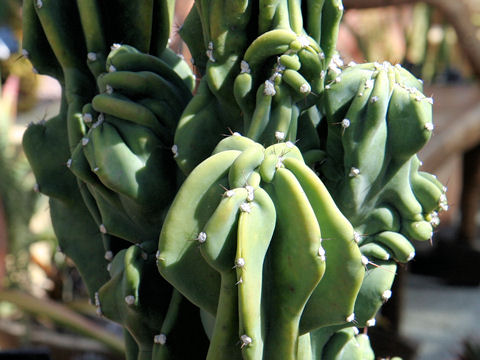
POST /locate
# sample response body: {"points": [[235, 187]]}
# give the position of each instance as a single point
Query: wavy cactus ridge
{"points": [[342, 256], [182, 230], [291, 288], [256, 224]]}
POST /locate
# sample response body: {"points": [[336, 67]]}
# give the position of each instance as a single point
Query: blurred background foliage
{"points": [[416, 35]]}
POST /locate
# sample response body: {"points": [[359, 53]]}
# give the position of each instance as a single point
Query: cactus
{"points": [[279, 242]]}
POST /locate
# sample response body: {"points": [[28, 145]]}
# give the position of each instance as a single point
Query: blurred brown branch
{"points": [[63, 316], [457, 13], [365, 4]]}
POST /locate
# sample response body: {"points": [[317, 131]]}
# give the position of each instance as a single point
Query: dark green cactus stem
{"points": [[46, 148], [163, 14], [194, 38], [181, 322], [35, 45], [73, 225], [131, 351], [48, 161], [123, 28], [200, 119], [224, 338], [93, 29]]}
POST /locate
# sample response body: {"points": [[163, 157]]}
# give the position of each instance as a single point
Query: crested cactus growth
{"points": [[276, 244]]}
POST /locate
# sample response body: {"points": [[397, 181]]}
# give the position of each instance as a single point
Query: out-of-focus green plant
{"points": [[10, 14], [11, 61], [17, 66], [19, 201]]}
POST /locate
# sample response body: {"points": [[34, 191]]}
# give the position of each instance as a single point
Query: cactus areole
{"points": [[258, 215]]}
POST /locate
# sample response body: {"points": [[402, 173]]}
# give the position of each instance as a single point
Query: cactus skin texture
{"points": [[205, 243]]}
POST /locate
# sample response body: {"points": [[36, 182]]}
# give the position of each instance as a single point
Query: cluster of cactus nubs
{"points": [[200, 241]]}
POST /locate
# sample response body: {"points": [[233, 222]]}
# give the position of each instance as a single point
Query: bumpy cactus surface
{"points": [[275, 244]]}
